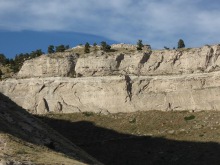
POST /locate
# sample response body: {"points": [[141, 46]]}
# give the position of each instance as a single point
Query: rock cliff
{"points": [[120, 81], [156, 62], [115, 94], [60, 64]]}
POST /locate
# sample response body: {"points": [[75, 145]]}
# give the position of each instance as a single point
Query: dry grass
{"points": [[186, 125], [152, 137], [17, 150]]}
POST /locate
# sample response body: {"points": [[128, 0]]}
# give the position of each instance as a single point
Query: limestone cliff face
{"points": [[157, 62], [184, 79], [186, 61], [49, 66], [115, 94]]}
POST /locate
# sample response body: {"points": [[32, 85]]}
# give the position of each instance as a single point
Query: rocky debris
{"points": [[10, 162], [128, 46], [171, 132]]}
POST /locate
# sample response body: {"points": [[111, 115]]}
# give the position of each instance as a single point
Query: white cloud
{"points": [[158, 22]]}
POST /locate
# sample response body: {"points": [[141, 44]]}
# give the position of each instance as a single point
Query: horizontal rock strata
{"points": [[156, 62], [116, 93], [121, 81], [139, 63], [58, 65]]}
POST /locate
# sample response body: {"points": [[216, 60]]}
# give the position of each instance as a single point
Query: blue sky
{"points": [[157, 22]]}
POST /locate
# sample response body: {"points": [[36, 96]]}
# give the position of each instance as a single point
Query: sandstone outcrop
{"points": [[144, 63], [183, 61], [156, 62], [115, 94], [59, 64], [182, 79], [117, 64]]}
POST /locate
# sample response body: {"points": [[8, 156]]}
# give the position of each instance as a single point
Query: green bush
{"points": [[191, 117], [105, 46]]}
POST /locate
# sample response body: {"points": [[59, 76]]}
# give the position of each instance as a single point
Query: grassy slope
{"points": [[144, 137]]}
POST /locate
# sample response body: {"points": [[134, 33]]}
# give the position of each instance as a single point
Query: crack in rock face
{"points": [[128, 86], [119, 59]]}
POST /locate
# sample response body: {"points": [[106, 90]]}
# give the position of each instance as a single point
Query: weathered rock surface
{"points": [[116, 93], [68, 94], [117, 64], [128, 46], [96, 66], [145, 63], [49, 66], [183, 79], [185, 61], [157, 62]]}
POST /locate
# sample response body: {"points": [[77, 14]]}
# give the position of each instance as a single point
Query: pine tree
{"points": [[181, 44], [2, 59], [86, 48], [50, 49], [60, 48], [139, 45]]}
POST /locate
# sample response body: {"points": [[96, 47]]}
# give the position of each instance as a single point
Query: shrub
{"points": [[166, 48], [105, 46], [191, 117]]}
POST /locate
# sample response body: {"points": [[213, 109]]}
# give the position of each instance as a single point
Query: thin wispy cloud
{"points": [[158, 22]]}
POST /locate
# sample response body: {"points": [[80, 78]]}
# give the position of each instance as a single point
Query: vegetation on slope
{"points": [[141, 138]]}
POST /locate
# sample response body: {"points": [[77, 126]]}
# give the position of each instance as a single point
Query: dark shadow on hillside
{"points": [[113, 148], [17, 122]]}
